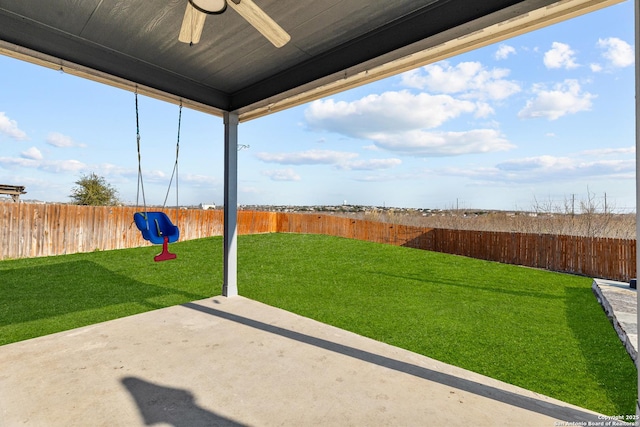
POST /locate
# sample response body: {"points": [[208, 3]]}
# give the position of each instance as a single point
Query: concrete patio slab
{"points": [[238, 362]]}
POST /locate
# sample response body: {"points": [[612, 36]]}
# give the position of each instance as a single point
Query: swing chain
{"points": [[175, 166]]}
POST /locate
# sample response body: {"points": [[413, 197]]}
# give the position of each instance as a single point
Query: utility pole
{"points": [[573, 205]]}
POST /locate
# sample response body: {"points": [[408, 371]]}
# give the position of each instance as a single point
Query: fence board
{"points": [[33, 230]]}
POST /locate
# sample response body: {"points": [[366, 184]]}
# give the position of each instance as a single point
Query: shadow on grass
{"points": [[470, 286], [68, 287], [609, 366], [598, 354]]}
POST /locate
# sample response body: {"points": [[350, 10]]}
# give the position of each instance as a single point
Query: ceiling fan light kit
{"points": [[212, 7], [197, 10]]}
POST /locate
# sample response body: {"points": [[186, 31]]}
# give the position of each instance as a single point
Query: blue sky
{"points": [[543, 116]]}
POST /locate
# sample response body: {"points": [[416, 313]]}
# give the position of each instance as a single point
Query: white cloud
{"points": [[309, 157], [282, 175], [10, 128], [398, 122], [155, 177], [618, 52], [58, 166], [422, 143], [469, 79], [388, 112], [503, 52], [199, 181], [596, 68], [551, 169], [340, 159], [483, 110], [630, 151], [533, 163], [375, 178], [61, 141], [54, 166], [369, 165], [560, 56], [565, 98], [33, 159], [32, 153], [249, 190], [115, 170], [14, 162]]}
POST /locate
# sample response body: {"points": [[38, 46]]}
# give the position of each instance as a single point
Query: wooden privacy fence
{"points": [[613, 259], [34, 230]]}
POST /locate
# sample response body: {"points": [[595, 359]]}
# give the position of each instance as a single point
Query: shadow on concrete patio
{"points": [[173, 406], [504, 396]]}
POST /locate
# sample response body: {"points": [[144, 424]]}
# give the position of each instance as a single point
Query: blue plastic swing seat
{"points": [[155, 226]]}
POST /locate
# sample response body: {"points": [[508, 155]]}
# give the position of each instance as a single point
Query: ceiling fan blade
{"points": [[192, 25], [261, 21]]}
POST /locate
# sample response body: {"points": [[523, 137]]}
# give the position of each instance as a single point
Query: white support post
{"points": [[636, 21], [230, 269]]}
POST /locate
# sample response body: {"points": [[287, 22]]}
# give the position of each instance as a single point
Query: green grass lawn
{"points": [[539, 330]]}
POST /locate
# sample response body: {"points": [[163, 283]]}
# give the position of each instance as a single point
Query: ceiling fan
{"points": [[197, 11]]}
